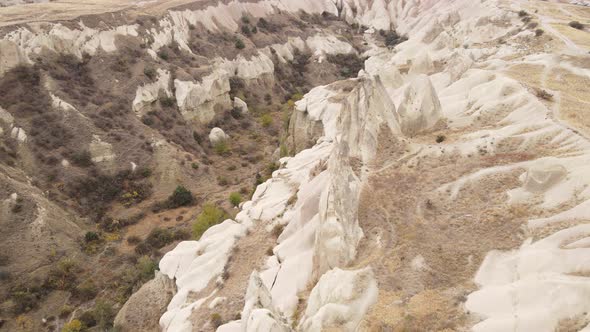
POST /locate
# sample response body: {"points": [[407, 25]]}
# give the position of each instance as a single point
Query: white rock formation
{"points": [[217, 135], [198, 100], [149, 93], [18, 134], [258, 313], [193, 264], [340, 299], [419, 109], [101, 151], [240, 105]]}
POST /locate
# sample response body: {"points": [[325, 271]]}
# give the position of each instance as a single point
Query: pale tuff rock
{"points": [[420, 108], [540, 177], [18, 134], [259, 314], [422, 64], [193, 264], [285, 52], [340, 299], [61, 39], [10, 56], [149, 93], [60, 104], [532, 288], [217, 135], [387, 72], [240, 105], [6, 117], [144, 308], [198, 100], [323, 45], [101, 151]]}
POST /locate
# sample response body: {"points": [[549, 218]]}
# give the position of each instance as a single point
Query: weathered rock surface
{"points": [[143, 309]]}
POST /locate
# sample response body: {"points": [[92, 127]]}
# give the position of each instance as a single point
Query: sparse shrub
{"points": [[149, 72], [25, 298], [159, 237], [543, 94], [167, 102], [539, 32], [266, 120], [440, 138], [180, 197], [195, 166], [82, 158], [392, 38], [216, 320], [576, 25], [88, 318], [246, 30], [222, 181], [73, 326], [245, 19], [133, 239], [349, 64], [240, 44], [91, 237], [522, 13], [65, 311], [277, 230], [62, 275], [221, 147], [86, 291], [163, 55], [211, 215], [104, 314], [146, 267], [235, 199]]}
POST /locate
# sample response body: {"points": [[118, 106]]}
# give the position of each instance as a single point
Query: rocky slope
{"points": [[442, 188], [445, 192]]}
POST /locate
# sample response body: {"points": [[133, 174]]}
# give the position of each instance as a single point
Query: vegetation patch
{"points": [[211, 215]]}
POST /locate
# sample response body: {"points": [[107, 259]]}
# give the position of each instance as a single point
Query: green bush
{"points": [[221, 147], [167, 102], [150, 73], [62, 275], [235, 198], [159, 237], [146, 267], [86, 291], [266, 120], [104, 314], [91, 237], [73, 326], [82, 158], [211, 215], [180, 197], [240, 44], [163, 55], [216, 320]]}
